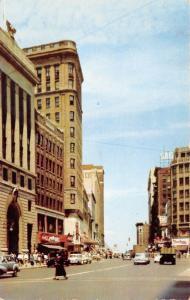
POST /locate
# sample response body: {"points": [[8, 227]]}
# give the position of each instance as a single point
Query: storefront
{"points": [[48, 242]]}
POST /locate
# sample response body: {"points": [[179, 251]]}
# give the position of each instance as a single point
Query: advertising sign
{"points": [[180, 242]]}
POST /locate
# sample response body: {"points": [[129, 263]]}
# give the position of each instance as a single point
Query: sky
{"points": [[135, 60]]}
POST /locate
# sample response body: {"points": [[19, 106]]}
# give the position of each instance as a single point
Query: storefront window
{"points": [[41, 223], [51, 224], [60, 226]]}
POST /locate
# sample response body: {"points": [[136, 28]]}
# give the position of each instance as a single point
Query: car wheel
{"points": [[1, 272], [15, 273]]}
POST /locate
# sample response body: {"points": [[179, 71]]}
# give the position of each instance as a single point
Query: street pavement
{"points": [[111, 279]]}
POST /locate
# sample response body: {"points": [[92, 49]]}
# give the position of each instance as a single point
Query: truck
{"points": [[139, 248], [168, 255]]}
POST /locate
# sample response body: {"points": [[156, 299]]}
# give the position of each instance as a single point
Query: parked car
{"points": [[157, 258], [8, 266], [88, 257], [77, 258], [141, 259]]}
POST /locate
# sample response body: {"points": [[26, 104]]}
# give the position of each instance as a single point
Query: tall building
{"points": [[49, 183], [58, 96], [93, 177], [142, 234], [164, 198], [180, 193], [17, 147], [159, 200]]}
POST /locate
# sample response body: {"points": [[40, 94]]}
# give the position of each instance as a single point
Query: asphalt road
{"points": [[111, 279]]}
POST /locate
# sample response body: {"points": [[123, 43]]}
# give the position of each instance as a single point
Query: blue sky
{"points": [[135, 60]]}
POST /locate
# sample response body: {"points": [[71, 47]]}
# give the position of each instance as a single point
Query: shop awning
{"points": [[53, 247], [90, 242]]}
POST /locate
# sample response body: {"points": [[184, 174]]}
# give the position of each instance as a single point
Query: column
{"points": [[32, 138], [25, 132], [1, 154], [17, 141], [56, 226], [8, 123], [45, 223]]}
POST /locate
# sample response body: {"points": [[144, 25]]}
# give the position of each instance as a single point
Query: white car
{"points": [[141, 259], [157, 258], [77, 258], [88, 257]]}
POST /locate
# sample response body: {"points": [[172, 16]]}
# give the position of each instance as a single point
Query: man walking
{"points": [[59, 266]]}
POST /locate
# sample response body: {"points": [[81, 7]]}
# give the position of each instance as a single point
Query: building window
{"points": [[70, 84], [47, 102], [39, 88], [47, 69], [72, 181], [187, 193], [57, 117], [181, 218], [39, 73], [21, 180], [29, 205], [72, 198], [72, 115], [72, 163], [48, 116], [56, 101], [39, 104], [56, 85], [29, 183], [14, 177], [70, 68], [181, 181], [5, 174], [72, 147], [71, 99], [48, 88], [72, 132], [181, 194], [186, 218], [187, 180], [56, 70]]}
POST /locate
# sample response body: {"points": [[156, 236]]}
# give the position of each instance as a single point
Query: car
{"points": [[77, 258], [8, 265], [126, 256], [88, 257], [157, 258], [141, 259]]}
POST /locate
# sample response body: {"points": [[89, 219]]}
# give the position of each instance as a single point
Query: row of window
{"points": [[45, 181], [49, 88], [56, 71], [49, 165], [50, 146], [48, 103], [56, 115], [17, 178], [49, 202], [183, 206], [182, 181], [181, 168], [182, 154], [48, 224]]}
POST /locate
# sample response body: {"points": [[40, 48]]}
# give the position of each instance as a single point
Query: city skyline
{"points": [[134, 58]]}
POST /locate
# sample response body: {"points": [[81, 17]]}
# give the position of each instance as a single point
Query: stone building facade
{"points": [[180, 193], [58, 96], [17, 148]]}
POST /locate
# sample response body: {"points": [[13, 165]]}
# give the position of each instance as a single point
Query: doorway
{"points": [[13, 215]]}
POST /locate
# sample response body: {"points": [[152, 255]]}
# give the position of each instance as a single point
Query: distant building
{"points": [[180, 193], [58, 97], [93, 178], [17, 147], [159, 190], [142, 234]]}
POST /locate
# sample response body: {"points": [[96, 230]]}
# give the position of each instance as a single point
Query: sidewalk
{"points": [[29, 266]]}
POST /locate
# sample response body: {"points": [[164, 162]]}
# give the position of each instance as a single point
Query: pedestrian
{"points": [[59, 266]]}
